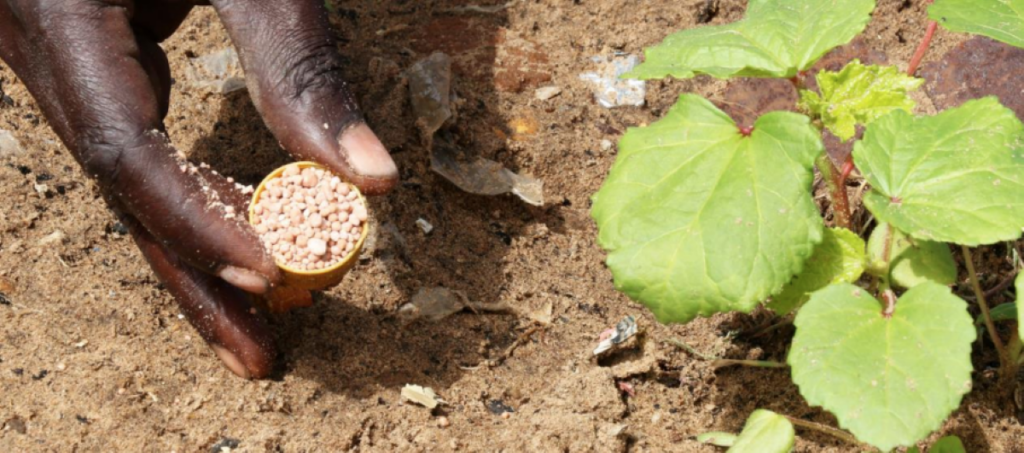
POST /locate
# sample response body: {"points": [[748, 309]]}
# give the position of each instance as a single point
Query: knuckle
{"points": [[315, 75], [314, 69], [102, 151]]}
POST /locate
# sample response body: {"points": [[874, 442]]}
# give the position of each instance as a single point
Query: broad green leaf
{"points": [[1002, 20], [777, 38], [858, 95], [765, 432], [889, 381], [954, 177], [698, 219], [912, 261], [718, 439], [839, 258], [1019, 286], [948, 444]]}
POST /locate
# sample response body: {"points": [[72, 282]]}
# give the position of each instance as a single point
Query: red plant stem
{"points": [[923, 47], [797, 82], [889, 298], [836, 191], [847, 169]]}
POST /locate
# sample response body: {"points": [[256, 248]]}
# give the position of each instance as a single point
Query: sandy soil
{"points": [[94, 355]]}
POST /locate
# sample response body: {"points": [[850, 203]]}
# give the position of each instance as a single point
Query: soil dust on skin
{"points": [[94, 355]]}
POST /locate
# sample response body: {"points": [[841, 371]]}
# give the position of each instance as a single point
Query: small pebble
{"points": [[443, 422], [317, 246]]}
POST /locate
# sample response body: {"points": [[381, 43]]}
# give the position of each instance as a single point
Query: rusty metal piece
{"points": [[977, 68]]}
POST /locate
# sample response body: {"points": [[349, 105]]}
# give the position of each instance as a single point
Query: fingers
{"points": [[101, 89], [295, 77], [219, 312], [195, 212]]}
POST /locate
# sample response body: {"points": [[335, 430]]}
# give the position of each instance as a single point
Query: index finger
{"points": [[295, 77]]}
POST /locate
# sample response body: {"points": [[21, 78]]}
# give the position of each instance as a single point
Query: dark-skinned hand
{"points": [[103, 83]]}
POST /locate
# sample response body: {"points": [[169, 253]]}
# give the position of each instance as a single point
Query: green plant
{"points": [[701, 215], [1002, 20]]}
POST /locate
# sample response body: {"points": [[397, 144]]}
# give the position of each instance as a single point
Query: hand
{"points": [[103, 83]]}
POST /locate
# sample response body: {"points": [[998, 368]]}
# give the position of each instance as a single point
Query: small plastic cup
{"points": [[318, 279]]}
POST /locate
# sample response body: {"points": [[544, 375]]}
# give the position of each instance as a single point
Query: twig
{"points": [[1002, 285], [679, 344], [783, 323], [491, 363], [991, 327], [837, 433]]}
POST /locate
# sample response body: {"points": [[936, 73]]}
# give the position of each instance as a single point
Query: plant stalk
{"points": [[1014, 348], [847, 169], [836, 191], [837, 433], [1004, 358], [722, 363], [923, 47]]}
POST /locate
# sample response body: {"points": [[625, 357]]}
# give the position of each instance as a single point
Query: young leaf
{"points": [[699, 219], [777, 38], [858, 95], [1001, 312], [1019, 285], [718, 439], [954, 177], [912, 261], [948, 444], [1001, 20], [838, 259], [889, 381], [765, 432]]}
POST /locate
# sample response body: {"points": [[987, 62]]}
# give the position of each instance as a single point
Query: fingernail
{"points": [[366, 154], [231, 361], [245, 279]]}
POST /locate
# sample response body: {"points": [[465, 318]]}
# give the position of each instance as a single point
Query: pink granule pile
{"points": [[308, 218]]}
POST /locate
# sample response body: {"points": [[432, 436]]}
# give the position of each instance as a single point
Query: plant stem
{"points": [[884, 282], [890, 303], [1004, 358], [836, 191], [1014, 348], [923, 47], [798, 80], [837, 433], [722, 363], [847, 169]]}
